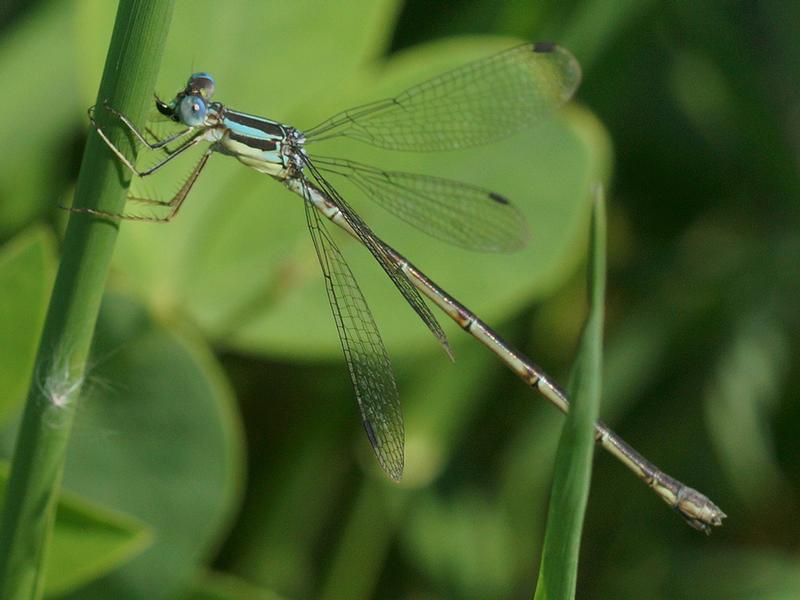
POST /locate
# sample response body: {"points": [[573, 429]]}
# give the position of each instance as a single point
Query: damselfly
{"points": [[474, 104]]}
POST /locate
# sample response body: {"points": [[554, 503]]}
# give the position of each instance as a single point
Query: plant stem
{"points": [[131, 66]]}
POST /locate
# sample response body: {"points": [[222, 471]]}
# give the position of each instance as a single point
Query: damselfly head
{"points": [[189, 110], [190, 105]]}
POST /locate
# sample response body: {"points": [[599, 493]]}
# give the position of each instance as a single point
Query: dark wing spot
{"points": [[498, 198], [544, 47]]}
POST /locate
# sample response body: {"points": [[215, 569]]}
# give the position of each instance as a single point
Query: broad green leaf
{"points": [[275, 70], [27, 265], [156, 437], [87, 540], [573, 468]]}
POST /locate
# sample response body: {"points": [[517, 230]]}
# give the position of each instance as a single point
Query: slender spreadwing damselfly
{"points": [[475, 104]]}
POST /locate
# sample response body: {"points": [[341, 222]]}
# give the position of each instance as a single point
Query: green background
{"points": [[217, 451]]}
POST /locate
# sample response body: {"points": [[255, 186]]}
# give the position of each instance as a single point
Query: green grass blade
{"points": [[134, 53], [573, 468]]}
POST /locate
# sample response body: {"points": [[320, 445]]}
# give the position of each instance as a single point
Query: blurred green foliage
{"points": [[216, 356]]}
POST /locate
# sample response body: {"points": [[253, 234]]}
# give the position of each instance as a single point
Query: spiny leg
{"points": [[124, 159], [174, 203], [164, 149], [158, 144]]}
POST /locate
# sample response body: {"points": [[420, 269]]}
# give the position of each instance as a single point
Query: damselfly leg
{"points": [[155, 145], [176, 201], [159, 144]]}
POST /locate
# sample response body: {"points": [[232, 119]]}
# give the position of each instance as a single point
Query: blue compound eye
{"points": [[192, 110], [201, 84]]}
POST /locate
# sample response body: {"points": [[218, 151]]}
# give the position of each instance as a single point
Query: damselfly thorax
{"points": [[262, 144]]}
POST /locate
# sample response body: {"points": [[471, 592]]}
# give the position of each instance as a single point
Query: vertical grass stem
{"points": [[134, 54]]}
